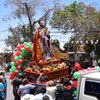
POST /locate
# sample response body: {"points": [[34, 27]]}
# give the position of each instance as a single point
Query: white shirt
{"points": [[51, 91]]}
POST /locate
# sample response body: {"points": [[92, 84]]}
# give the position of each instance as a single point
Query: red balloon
{"points": [[22, 58], [18, 68], [30, 43], [18, 53], [17, 62], [11, 77], [13, 60], [22, 45], [27, 49], [18, 46], [74, 83], [11, 83], [11, 74], [13, 55], [20, 61], [16, 71]]}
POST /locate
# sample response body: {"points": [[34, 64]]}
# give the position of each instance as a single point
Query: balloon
{"points": [[11, 83], [22, 45], [14, 55], [20, 57], [18, 53], [16, 63], [13, 69], [29, 45], [16, 58], [27, 49], [97, 68], [89, 69], [20, 71], [20, 65], [74, 93], [16, 71], [23, 49], [18, 47], [22, 53], [74, 83], [18, 68], [11, 77], [10, 70], [20, 61], [31, 48], [12, 64], [25, 43], [75, 75], [12, 74]]}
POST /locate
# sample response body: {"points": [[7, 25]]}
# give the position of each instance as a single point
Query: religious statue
{"points": [[41, 48]]}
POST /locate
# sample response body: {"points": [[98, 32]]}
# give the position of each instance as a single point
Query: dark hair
{"points": [[45, 97], [25, 81], [66, 82], [31, 78], [44, 78], [43, 89]]}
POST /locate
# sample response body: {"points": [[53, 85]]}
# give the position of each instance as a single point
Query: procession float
{"points": [[45, 58]]}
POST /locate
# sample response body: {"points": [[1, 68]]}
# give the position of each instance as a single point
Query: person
{"points": [[41, 81], [51, 89], [86, 63], [16, 83], [24, 88], [2, 90], [65, 91], [41, 48], [42, 95]]}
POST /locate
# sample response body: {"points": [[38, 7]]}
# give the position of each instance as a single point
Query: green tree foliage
{"points": [[82, 20]]}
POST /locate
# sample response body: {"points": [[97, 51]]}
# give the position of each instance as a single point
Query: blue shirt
{"points": [[2, 94], [25, 89]]}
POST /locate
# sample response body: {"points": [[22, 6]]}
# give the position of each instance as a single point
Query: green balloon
{"points": [[29, 45], [31, 48], [75, 75], [20, 57], [20, 65], [22, 53], [10, 70], [23, 49], [16, 58], [12, 64], [20, 71], [74, 93], [97, 68], [13, 69], [25, 44]]}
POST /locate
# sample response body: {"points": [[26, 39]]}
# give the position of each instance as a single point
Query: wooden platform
{"points": [[52, 75]]}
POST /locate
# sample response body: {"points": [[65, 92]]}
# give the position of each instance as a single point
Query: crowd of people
{"points": [[28, 89]]}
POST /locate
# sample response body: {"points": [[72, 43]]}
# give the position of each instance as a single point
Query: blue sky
{"points": [[13, 23]]}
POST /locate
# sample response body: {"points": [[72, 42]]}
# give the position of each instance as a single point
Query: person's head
{"points": [[72, 62], [45, 97], [1, 80], [25, 81], [31, 79], [44, 78], [50, 83], [23, 76], [43, 89], [41, 23], [66, 82]]}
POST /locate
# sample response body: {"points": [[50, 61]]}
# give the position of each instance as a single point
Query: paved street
{"points": [[9, 89]]}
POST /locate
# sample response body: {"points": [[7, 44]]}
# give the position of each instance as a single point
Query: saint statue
{"points": [[41, 48]]}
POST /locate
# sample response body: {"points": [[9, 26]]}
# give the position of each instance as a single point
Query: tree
{"points": [[83, 21], [27, 8]]}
